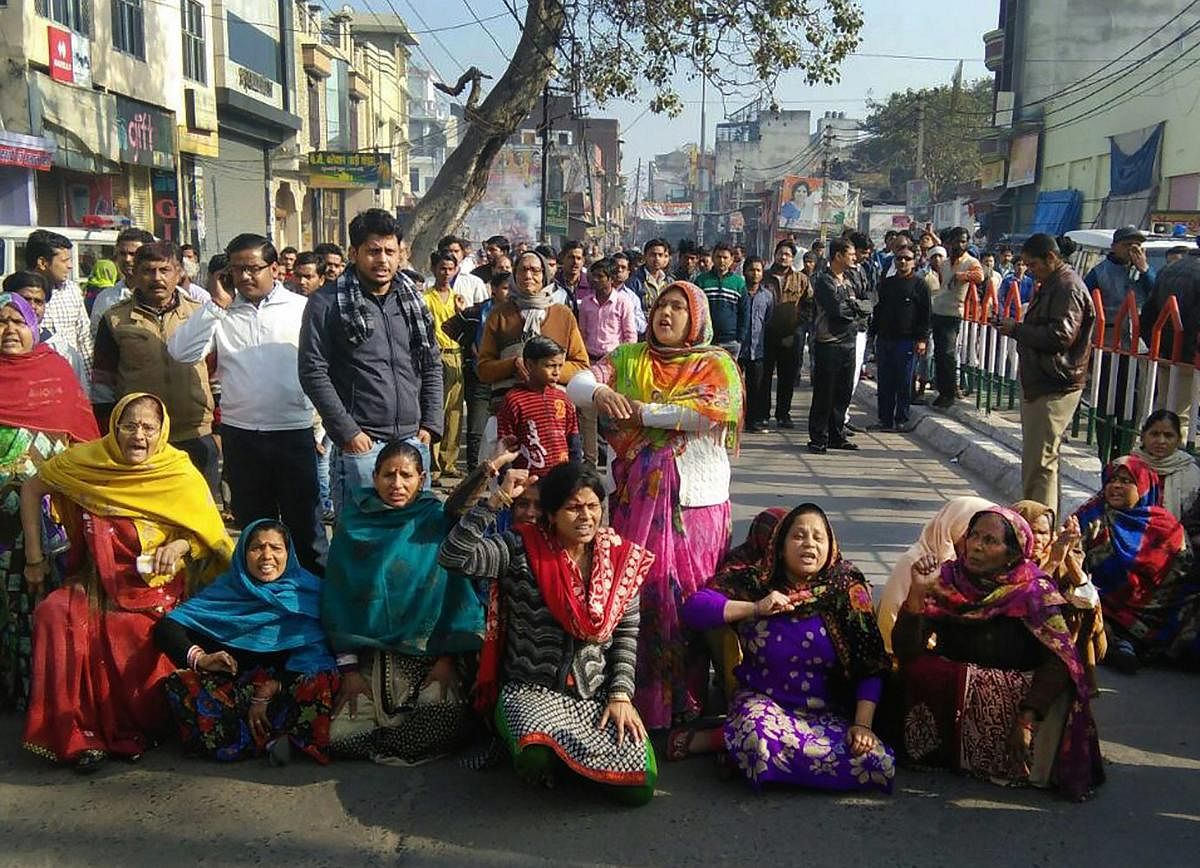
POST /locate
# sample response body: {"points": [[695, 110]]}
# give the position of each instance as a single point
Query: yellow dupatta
{"points": [[166, 488]]}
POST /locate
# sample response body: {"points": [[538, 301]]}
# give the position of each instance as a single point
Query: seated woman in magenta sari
{"points": [[255, 673], [813, 663], [676, 401], [147, 530], [992, 681]]}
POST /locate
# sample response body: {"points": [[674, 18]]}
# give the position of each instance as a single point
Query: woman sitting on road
{"points": [[44, 411], [569, 603], [813, 665], [1178, 473], [938, 539], [1001, 693], [1060, 556], [405, 632], [1138, 556], [255, 673], [676, 401], [150, 532]]}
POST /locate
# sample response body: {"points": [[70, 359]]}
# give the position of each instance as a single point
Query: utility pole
{"points": [[637, 202], [545, 158], [827, 145], [919, 169], [698, 216]]}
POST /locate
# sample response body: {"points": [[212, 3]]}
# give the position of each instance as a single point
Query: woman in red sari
{"points": [[143, 526]]}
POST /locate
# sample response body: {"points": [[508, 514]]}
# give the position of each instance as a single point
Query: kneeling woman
{"points": [[813, 663], [568, 633], [144, 528], [1002, 693], [405, 633], [255, 673]]}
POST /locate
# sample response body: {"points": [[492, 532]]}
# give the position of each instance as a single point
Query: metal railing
{"points": [[1129, 378]]}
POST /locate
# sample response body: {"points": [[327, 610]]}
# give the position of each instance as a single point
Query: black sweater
{"points": [[902, 313]]}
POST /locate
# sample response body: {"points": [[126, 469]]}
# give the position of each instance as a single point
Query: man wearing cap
{"points": [[1125, 268], [1179, 280]]}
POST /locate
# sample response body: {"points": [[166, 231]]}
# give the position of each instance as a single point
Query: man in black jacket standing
{"points": [[369, 360], [839, 312], [900, 326]]}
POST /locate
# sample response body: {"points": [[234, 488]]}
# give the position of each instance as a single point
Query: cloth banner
{"points": [[1133, 161]]}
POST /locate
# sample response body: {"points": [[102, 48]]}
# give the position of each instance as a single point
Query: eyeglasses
{"points": [[132, 428], [251, 270], [904, 259]]}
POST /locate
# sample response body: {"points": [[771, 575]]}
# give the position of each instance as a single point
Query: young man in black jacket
{"points": [[839, 312], [900, 326]]}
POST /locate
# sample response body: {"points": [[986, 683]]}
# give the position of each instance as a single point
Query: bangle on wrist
{"points": [[35, 563], [618, 697], [260, 700], [505, 499]]}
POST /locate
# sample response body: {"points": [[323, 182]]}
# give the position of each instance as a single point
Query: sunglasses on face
{"points": [[904, 259]]}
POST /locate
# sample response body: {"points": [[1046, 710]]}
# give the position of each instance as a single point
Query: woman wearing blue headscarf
{"points": [[256, 675]]}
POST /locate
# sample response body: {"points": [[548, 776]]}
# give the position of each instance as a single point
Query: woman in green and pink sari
{"points": [[676, 404]]}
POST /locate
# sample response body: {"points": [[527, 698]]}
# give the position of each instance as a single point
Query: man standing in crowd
{"points": [[306, 274], [1125, 269], [464, 282], [1054, 345], [571, 280], [333, 261], [622, 269], [688, 262], [900, 326], [550, 257], [839, 314], [369, 360], [287, 262], [758, 301], [1179, 280], [49, 254], [724, 289], [129, 241], [444, 303], [606, 320], [132, 356], [817, 249], [787, 330], [956, 275], [267, 435], [494, 248], [190, 258], [651, 277]]}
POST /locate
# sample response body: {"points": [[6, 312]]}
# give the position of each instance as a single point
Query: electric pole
{"points": [[637, 203], [919, 169], [545, 158], [827, 146]]}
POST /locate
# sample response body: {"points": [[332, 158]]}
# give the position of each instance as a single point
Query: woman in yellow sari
{"points": [[143, 527]]}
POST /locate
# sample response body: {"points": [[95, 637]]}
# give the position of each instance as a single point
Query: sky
{"points": [[923, 29]]}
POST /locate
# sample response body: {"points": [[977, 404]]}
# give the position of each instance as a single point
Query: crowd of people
{"points": [[174, 456]]}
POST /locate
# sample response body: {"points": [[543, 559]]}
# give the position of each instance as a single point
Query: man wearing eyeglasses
{"points": [[131, 356], [266, 419]]}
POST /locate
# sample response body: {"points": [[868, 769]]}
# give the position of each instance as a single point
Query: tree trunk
{"points": [[463, 179]]}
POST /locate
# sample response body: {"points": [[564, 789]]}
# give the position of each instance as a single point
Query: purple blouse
{"points": [[790, 659]]}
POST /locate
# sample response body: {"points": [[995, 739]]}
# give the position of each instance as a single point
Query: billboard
{"points": [[800, 203], [1022, 160], [665, 212], [350, 170], [512, 204]]}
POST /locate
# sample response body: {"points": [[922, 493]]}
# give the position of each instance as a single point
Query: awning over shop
{"points": [[79, 122], [1057, 211], [989, 201]]}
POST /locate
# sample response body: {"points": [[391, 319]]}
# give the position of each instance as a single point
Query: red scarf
{"points": [[590, 612], [40, 392]]}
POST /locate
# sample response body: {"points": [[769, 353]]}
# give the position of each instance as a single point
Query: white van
{"points": [[88, 246], [1094, 245]]}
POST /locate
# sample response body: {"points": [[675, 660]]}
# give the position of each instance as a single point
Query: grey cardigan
{"points": [[537, 650]]}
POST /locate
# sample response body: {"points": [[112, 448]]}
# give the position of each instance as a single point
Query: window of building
{"points": [[129, 27], [414, 180], [314, 114], [195, 64], [564, 137], [75, 14], [529, 137], [337, 107], [252, 48]]}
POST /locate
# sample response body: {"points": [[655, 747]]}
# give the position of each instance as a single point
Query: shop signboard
{"points": [[70, 57], [556, 217], [145, 135], [349, 170]]}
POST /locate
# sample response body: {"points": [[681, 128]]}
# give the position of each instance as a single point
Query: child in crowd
{"points": [[538, 412]]}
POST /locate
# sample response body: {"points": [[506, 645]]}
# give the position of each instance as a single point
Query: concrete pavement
{"points": [[174, 810]]}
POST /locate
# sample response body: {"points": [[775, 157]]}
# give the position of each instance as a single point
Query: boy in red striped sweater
{"points": [[538, 413]]}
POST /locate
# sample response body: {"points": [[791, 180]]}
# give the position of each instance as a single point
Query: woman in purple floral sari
{"points": [[992, 681], [813, 662]]}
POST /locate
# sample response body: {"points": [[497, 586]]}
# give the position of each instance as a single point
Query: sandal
{"points": [[89, 761], [679, 743]]}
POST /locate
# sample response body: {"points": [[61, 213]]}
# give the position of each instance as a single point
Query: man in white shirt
{"points": [[266, 419], [464, 283], [49, 254]]}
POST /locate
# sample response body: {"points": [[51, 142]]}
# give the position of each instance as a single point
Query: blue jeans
{"points": [[350, 471], [895, 362], [323, 474]]}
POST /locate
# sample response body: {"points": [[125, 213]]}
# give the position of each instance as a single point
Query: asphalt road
{"points": [[170, 810]]}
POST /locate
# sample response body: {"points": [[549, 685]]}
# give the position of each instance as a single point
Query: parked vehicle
{"points": [[89, 245]]}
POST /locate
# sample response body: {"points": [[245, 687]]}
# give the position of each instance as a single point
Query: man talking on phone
{"points": [[1124, 269]]}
